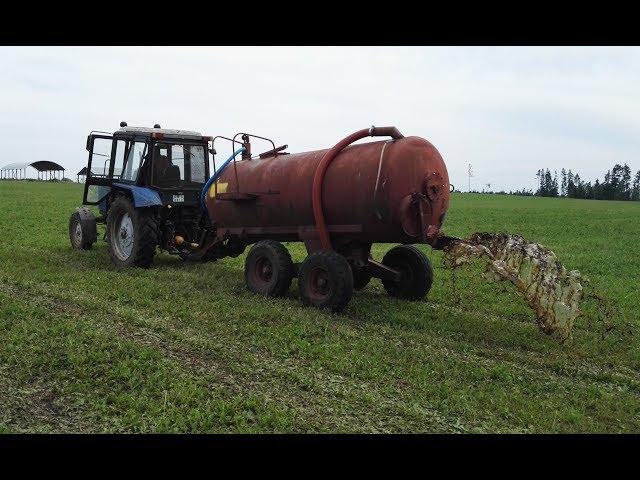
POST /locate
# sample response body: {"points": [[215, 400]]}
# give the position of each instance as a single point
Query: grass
{"points": [[86, 347]]}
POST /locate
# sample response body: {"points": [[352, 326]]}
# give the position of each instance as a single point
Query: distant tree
{"points": [[541, 186], [635, 188], [607, 188], [548, 183], [550, 188], [618, 184], [571, 187], [578, 191], [626, 183], [597, 190], [540, 177]]}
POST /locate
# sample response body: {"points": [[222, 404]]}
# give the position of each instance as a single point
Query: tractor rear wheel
{"points": [[133, 234], [82, 229], [268, 269], [415, 270], [325, 280]]}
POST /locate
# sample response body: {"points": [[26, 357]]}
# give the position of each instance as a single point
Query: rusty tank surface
{"points": [[385, 191], [339, 202]]}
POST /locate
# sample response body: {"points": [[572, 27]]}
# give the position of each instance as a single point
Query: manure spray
{"points": [[550, 290]]}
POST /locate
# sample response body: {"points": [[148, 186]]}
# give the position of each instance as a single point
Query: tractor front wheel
{"points": [[82, 229], [132, 233]]}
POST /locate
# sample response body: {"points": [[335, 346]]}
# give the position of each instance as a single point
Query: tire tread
{"points": [[338, 266], [284, 267]]}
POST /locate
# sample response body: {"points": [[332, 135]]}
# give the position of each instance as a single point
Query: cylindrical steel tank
{"points": [[381, 191]]}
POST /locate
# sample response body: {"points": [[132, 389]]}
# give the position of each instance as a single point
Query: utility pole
{"points": [[470, 175]]}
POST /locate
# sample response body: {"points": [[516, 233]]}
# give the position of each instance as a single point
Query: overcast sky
{"points": [[507, 111]]}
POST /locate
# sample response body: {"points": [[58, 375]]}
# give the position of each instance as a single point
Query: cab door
{"points": [[99, 168]]}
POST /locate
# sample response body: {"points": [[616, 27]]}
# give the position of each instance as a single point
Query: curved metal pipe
{"points": [[392, 132], [321, 170], [214, 177]]}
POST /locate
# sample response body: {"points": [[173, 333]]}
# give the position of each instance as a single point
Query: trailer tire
{"points": [[325, 280], [83, 232], [124, 221], [268, 269], [416, 270]]}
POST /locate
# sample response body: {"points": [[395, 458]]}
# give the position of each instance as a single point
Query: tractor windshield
{"points": [[179, 166]]}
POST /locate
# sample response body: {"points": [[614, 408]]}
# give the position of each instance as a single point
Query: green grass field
{"points": [[85, 347]]}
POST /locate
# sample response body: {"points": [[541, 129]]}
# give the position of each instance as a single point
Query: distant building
{"points": [[82, 173], [46, 170]]}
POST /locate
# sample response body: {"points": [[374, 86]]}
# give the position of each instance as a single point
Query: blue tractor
{"points": [[148, 185]]}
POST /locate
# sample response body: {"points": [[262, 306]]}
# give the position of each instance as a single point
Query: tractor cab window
{"points": [[135, 157], [198, 174], [101, 155], [119, 158], [179, 166]]}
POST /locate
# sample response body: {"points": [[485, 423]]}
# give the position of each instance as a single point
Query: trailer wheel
{"points": [[325, 280], [133, 234], [268, 269], [416, 272], [82, 229]]}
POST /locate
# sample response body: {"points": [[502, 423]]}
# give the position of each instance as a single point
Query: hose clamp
{"points": [[371, 129]]}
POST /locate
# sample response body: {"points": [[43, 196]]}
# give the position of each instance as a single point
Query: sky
{"points": [[507, 111]]}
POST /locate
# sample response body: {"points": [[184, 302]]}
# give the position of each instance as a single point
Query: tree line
{"points": [[618, 184]]}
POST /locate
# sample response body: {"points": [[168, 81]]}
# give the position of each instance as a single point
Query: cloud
{"points": [[507, 111]]}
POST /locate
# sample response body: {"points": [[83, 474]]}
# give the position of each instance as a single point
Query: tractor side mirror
{"points": [[88, 143]]}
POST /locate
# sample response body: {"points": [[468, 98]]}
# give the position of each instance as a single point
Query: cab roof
{"points": [[163, 132]]}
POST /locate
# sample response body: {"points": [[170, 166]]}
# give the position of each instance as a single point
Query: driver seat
{"points": [[173, 173]]}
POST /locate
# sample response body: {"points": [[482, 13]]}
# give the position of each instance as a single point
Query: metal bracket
{"points": [[383, 272]]}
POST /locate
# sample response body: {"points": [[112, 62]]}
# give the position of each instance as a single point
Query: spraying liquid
{"points": [[553, 293]]}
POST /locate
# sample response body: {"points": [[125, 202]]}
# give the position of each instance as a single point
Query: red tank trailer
{"points": [[338, 202]]}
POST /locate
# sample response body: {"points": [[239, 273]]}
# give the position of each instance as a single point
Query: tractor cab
{"points": [[155, 166], [146, 183]]}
